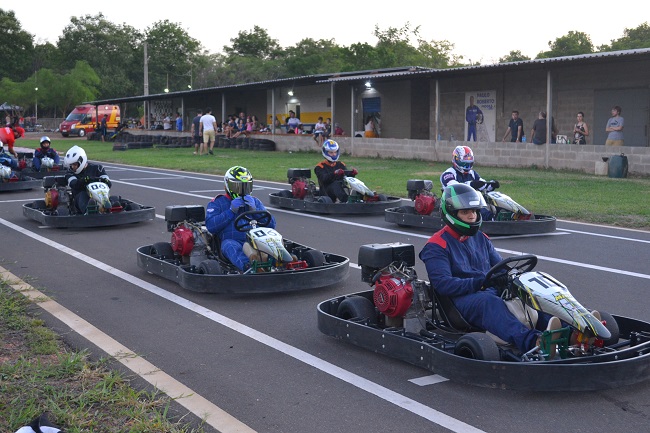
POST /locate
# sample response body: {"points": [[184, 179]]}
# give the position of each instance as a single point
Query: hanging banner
{"points": [[480, 115]]}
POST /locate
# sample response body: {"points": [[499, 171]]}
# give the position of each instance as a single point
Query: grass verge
{"points": [[39, 373]]}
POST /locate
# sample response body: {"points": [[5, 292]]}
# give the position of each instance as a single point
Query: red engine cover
{"points": [[392, 296], [182, 241], [22, 164], [424, 204], [299, 189]]}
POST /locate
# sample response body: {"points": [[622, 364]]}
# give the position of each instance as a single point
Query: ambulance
{"points": [[84, 119]]}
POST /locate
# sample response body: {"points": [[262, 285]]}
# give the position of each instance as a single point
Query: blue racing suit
{"points": [[219, 220], [457, 266], [41, 153], [7, 160]]}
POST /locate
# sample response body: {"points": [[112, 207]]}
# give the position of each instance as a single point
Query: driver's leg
{"points": [[335, 191], [81, 201], [232, 250]]}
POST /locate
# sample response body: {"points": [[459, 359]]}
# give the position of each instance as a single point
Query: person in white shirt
{"points": [[208, 129]]}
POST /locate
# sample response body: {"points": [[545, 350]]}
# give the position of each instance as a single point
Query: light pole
{"points": [[167, 88], [36, 109]]}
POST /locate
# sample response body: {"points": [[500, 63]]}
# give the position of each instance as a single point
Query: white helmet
{"points": [[5, 172], [2, 146], [75, 154]]}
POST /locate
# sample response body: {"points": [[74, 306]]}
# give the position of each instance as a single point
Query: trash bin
{"points": [[617, 166]]}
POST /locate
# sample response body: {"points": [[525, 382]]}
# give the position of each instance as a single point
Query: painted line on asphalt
{"points": [[359, 382], [188, 398], [606, 236], [428, 380]]}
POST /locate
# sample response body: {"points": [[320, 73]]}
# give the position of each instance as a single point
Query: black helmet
{"points": [[460, 196]]}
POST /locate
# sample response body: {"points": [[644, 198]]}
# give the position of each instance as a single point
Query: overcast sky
{"points": [[480, 31]]}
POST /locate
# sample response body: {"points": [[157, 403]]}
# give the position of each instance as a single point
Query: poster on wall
{"points": [[480, 115]]}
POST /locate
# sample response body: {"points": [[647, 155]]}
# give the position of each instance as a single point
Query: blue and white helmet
{"points": [[331, 146]]}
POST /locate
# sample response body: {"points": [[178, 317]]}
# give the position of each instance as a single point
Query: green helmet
{"points": [[238, 182], [460, 196]]}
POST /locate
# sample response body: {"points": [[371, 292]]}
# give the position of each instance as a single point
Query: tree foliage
{"points": [[572, 44], [638, 37], [513, 56], [18, 48]]}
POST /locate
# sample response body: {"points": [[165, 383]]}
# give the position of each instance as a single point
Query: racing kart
{"points": [[305, 195], [405, 318], [510, 218], [59, 210], [48, 167], [193, 257], [11, 180]]}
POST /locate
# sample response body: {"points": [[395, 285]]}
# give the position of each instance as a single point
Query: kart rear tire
{"points": [[477, 345], [314, 258], [382, 197], [357, 308], [325, 199], [162, 250], [612, 327], [285, 193], [132, 206], [39, 205], [210, 267]]}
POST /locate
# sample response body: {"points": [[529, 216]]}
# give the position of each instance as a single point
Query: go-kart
{"points": [[405, 318], [11, 180], [48, 167], [305, 195], [193, 258], [510, 218], [59, 210]]}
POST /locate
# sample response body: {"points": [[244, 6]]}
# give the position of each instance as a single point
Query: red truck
{"points": [[85, 118]]}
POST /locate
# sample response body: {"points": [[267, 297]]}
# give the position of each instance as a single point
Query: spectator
{"points": [[167, 123], [102, 127], [330, 172], [319, 131], [515, 128], [580, 130], [293, 123], [539, 129], [471, 116], [45, 150], [196, 131], [615, 128], [328, 129], [370, 130], [338, 130], [8, 136], [208, 127], [179, 123]]}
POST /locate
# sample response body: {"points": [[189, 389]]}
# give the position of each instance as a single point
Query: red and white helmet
{"points": [[462, 159]]}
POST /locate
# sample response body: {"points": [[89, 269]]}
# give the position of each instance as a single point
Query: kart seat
{"points": [[450, 314]]}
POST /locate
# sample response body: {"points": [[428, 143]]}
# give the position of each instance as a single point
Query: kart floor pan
{"points": [[145, 213]]}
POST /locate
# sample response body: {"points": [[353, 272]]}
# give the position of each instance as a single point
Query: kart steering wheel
{"points": [[251, 219], [523, 263]]}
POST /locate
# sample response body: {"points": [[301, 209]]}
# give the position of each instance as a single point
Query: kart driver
{"points": [[44, 151], [81, 173], [223, 209], [330, 172], [7, 164], [461, 171], [458, 257]]}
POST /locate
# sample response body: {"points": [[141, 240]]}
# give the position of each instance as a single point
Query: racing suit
{"points": [[457, 266], [328, 182], [41, 153], [77, 183], [452, 176], [219, 220]]}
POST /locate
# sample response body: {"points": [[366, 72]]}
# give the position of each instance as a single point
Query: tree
{"points": [[17, 47], [638, 37], [572, 44], [256, 43], [513, 56], [311, 57]]}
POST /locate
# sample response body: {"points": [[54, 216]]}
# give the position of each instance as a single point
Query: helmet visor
{"points": [[239, 189], [465, 165], [464, 200]]}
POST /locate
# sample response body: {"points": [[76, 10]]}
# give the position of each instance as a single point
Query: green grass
{"points": [[38, 373], [564, 194]]}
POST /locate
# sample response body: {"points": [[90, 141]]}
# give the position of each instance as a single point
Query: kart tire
{"points": [[314, 258], [285, 193], [325, 199], [477, 345], [39, 205], [162, 250], [210, 267], [382, 197], [132, 206], [357, 308], [612, 327], [49, 182]]}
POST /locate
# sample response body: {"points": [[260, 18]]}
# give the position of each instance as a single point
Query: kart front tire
{"points": [[358, 308], [382, 197], [314, 258], [477, 345], [612, 327], [285, 193], [39, 205], [162, 250]]}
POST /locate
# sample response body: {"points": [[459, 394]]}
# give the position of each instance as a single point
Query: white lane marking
{"points": [[428, 380], [188, 398], [366, 385], [417, 235], [17, 200], [145, 178], [606, 236]]}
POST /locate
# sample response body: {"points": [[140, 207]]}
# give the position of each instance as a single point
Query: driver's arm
{"points": [[260, 206], [446, 273], [218, 215]]}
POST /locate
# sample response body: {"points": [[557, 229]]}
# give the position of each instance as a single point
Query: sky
{"points": [[480, 31]]}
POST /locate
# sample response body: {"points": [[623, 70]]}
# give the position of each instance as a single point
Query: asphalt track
{"points": [[259, 363]]}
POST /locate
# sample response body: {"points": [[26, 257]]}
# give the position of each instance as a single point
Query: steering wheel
{"points": [[521, 264], [251, 219]]}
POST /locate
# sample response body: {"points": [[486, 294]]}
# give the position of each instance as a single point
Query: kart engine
{"points": [[420, 192], [300, 183], [393, 295], [189, 236]]}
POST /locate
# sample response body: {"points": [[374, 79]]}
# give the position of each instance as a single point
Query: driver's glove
{"points": [[493, 184], [477, 184], [354, 172], [250, 201], [236, 204], [497, 281], [339, 173]]}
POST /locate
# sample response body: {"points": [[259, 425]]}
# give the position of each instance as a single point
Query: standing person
{"points": [[515, 128], [457, 259], [167, 123], [81, 173], [580, 130], [370, 128], [615, 128], [179, 122], [471, 116], [196, 131], [102, 127], [8, 136], [330, 172], [539, 129], [223, 209], [45, 150], [208, 130]]}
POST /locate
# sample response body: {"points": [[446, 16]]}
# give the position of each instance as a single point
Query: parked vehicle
{"points": [[84, 119]]}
